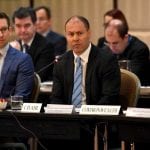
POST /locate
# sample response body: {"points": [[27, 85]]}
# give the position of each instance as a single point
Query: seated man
{"points": [[16, 68], [31, 42], [128, 47], [44, 27], [97, 70]]}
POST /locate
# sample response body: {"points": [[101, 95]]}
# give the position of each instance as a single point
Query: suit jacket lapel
{"points": [[7, 64], [70, 74], [92, 58]]}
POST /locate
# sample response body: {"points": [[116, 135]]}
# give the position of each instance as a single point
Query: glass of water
{"points": [[125, 64], [16, 102]]}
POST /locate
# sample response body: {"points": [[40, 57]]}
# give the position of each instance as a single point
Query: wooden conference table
{"points": [[65, 126]]}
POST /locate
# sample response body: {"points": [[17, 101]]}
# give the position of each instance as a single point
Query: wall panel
{"points": [[93, 10], [138, 15]]}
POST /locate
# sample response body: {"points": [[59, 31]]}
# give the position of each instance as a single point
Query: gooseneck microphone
{"points": [[57, 58]]}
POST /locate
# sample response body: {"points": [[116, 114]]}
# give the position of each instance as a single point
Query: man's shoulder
{"points": [[17, 53], [136, 42], [40, 43], [54, 36]]}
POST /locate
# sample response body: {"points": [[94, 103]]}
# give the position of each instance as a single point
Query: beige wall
{"points": [[93, 10], [137, 13]]}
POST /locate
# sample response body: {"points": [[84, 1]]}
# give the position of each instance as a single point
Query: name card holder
{"points": [[138, 112], [59, 109], [99, 110], [31, 107]]}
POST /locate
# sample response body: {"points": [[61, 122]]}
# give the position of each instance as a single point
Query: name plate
{"points": [[31, 107], [138, 112], [59, 109], [100, 109]]}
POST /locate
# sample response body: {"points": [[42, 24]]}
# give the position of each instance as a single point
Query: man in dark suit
{"points": [[16, 68], [128, 47], [31, 42], [44, 25], [101, 74]]}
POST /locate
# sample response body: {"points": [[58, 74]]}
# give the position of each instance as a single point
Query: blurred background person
{"points": [[109, 15], [128, 47], [31, 42], [16, 68], [44, 27]]}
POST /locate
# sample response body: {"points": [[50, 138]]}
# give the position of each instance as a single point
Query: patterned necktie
{"points": [[77, 89]]}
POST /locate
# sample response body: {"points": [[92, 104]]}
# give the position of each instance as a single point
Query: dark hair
{"points": [[4, 16], [24, 12], [82, 19], [46, 9], [117, 14]]}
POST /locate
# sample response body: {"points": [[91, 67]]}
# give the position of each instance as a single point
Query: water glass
{"points": [[16, 102], [125, 64]]}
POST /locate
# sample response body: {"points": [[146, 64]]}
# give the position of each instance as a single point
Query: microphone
{"points": [[57, 58]]}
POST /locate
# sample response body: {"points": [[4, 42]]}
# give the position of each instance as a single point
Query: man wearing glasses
{"points": [[128, 47]]}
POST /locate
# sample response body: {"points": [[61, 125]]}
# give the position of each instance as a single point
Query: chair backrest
{"points": [[36, 88], [130, 89]]}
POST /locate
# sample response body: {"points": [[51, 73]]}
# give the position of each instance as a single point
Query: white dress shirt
{"points": [[84, 60]]}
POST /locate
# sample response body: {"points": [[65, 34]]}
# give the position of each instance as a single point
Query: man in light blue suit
{"points": [[16, 68]]}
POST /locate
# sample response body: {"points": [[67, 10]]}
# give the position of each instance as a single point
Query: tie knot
{"points": [[26, 46], [78, 60]]}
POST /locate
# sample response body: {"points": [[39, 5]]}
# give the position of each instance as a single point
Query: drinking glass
{"points": [[16, 102], [125, 64]]}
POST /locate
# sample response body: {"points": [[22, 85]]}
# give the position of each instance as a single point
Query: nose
{"points": [[75, 37], [1, 34]]}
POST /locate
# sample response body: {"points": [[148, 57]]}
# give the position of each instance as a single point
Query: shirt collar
{"points": [[4, 50], [45, 33], [85, 55], [29, 43]]}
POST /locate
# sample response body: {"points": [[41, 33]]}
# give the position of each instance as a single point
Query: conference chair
{"points": [[36, 88], [130, 89], [129, 94]]}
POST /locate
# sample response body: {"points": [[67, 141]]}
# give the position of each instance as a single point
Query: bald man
{"points": [[128, 47], [101, 74]]}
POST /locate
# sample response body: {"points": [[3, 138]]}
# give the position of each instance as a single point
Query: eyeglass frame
{"points": [[3, 29]]}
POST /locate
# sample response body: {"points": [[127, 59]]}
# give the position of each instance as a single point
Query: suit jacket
{"points": [[138, 53], [59, 42], [42, 54], [101, 42], [102, 83], [17, 74]]}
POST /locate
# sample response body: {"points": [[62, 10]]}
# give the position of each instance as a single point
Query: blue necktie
{"points": [[77, 89]]}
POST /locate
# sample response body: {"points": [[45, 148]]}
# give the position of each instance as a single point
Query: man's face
{"points": [[77, 35], [24, 28], [43, 23], [116, 43], [4, 32]]}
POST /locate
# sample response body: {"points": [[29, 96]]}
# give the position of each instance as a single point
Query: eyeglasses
{"points": [[3, 29]]}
